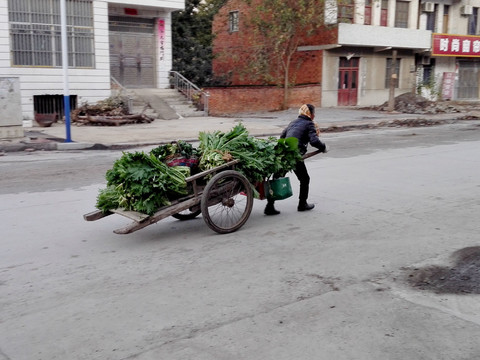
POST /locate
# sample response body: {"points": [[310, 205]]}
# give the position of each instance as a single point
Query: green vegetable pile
{"points": [[259, 158], [143, 182]]}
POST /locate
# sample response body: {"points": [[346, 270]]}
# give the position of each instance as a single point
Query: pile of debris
{"points": [[410, 103], [113, 111]]}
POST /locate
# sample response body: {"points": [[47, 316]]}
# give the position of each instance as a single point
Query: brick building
{"points": [[352, 62]]}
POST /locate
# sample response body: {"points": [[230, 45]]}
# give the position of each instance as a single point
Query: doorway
{"points": [[348, 81], [132, 51]]}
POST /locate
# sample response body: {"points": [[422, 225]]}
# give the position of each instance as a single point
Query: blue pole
{"points": [[66, 92], [66, 106]]}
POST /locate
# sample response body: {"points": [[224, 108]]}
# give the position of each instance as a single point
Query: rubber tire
{"points": [[216, 215], [186, 215]]}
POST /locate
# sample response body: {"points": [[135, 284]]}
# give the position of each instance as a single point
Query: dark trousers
{"points": [[304, 178]]}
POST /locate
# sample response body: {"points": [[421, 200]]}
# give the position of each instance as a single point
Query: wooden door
{"points": [[348, 81]]}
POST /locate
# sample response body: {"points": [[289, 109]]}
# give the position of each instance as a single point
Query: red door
{"points": [[348, 81]]}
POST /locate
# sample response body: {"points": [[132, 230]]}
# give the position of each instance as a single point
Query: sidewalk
{"points": [[164, 131]]}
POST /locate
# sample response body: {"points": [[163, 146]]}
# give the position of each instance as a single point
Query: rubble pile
{"points": [[109, 112], [410, 103]]}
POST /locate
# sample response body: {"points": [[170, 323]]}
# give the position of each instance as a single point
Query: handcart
{"points": [[222, 195]]}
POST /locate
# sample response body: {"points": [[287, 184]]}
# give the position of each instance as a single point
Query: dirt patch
{"points": [[410, 103], [463, 277], [384, 124]]}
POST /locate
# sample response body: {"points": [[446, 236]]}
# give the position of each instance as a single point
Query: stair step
{"points": [[165, 104]]}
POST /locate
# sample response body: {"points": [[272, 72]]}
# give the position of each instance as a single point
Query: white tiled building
{"points": [[124, 41], [436, 44]]}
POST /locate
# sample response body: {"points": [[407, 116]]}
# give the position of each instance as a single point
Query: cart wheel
{"points": [[187, 215], [227, 201]]}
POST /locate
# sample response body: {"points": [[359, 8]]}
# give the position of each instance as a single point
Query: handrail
{"points": [[123, 89], [189, 89], [117, 83]]}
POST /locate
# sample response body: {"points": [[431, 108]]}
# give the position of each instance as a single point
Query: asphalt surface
{"points": [[328, 284], [163, 131]]}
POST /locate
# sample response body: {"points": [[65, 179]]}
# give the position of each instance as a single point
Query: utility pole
{"points": [[393, 78]]}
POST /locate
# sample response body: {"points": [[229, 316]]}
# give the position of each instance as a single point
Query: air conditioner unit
{"points": [[466, 10], [428, 7]]}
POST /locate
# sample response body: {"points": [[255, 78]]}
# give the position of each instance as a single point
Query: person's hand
{"points": [[326, 149]]}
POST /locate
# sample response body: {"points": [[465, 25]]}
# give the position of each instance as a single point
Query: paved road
{"points": [[327, 284]]}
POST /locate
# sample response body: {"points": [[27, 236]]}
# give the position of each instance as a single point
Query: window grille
{"points": [[52, 104], [131, 24], [233, 21], [401, 14], [35, 33]]}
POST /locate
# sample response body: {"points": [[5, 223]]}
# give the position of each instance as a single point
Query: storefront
{"points": [[457, 60]]}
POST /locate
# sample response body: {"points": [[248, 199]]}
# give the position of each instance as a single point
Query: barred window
{"points": [[36, 35], [233, 21], [401, 14]]}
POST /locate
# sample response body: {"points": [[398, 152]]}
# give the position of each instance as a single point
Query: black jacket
{"points": [[304, 130]]}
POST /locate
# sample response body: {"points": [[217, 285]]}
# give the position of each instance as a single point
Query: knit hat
{"points": [[307, 110]]}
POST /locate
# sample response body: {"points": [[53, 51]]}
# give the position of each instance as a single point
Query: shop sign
{"points": [[448, 84], [455, 45]]}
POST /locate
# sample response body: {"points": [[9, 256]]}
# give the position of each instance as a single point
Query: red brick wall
{"points": [[231, 100], [231, 50]]}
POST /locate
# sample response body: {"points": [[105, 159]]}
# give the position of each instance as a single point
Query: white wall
{"points": [[168, 4], [90, 85]]}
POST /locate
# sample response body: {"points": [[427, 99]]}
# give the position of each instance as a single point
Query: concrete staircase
{"points": [[165, 104]]}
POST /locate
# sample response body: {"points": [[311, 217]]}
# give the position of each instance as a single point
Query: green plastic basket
{"points": [[278, 189]]}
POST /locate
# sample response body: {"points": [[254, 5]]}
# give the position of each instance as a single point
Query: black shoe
{"points": [[270, 210], [305, 207]]}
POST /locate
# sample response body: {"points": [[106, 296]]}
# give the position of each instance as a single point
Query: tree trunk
{"points": [[285, 85]]}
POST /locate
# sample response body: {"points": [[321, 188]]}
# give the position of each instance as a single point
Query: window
{"points": [[431, 17], [429, 73], [401, 14], [472, 22], [368, 12], [346, 9], [446, 9], [233, 19], [384, 13], [35, 33], [389, 72]]}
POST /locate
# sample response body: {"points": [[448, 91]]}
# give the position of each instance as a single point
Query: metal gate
{"points": [[132, 51], [468, 79]]}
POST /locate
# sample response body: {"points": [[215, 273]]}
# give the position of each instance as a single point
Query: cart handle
{"points": [[310, 154]]}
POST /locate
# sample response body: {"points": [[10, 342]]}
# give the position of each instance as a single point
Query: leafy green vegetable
{"points": [[259, 158], [141, 182]]}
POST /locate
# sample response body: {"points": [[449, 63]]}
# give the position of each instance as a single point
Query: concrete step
{"points": [[166, 103]]}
